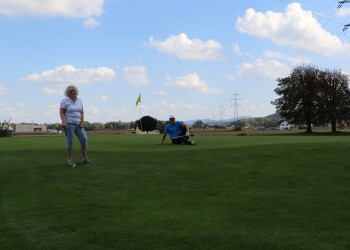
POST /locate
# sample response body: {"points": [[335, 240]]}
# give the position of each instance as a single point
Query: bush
{"points": [[5, 130], [237, 129]]}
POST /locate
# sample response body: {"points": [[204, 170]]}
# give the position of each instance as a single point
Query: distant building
{"points": [[23, 127]]}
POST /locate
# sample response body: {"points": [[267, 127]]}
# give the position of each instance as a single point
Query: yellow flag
{"points": [[138, 100]]}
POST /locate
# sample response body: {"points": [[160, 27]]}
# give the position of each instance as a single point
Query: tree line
{"points": [[97, 126], [313, 97], [146, 123]]}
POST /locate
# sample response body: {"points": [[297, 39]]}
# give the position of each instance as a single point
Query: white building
{"points": [[284, 125], [30, 128]]}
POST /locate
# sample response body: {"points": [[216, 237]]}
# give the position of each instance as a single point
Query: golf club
{"points": [[180, 136]]}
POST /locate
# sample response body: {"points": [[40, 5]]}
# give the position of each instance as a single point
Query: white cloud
{"points": [[49, 91], [236, 50], [21, 104], [230, 77], [181, 111], [136, 75], [295, 27], [192, 81], [3, 91], [64, 74], [94, 111], [254, 109], [95, 114], [187, 49], [102, 98], [160, 93], [265, 70], [50, 112], [63, 8], [343, 11], [91, 23], [278, 55], [9, 114], [173, 106]]}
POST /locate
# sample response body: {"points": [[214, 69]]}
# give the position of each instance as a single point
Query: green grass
{"points": [[230, 192]]}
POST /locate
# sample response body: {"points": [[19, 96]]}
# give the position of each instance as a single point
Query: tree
{"points": [[5, 130], [333, 98], [312, 96], [55, 126], [238, 125], [297, 103], [198, 124], [148, 123], [131, 124]]}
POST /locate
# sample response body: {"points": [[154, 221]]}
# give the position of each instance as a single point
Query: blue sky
{"points": [[186, 58]]}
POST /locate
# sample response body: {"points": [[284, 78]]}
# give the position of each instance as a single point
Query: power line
{"points": [[320, 16], [341, 3], [346, 26]]}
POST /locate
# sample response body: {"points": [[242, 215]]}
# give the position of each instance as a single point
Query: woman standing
{"points": [[72, 116]]}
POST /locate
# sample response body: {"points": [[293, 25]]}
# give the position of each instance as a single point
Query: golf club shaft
{"points": [[180, 136]]}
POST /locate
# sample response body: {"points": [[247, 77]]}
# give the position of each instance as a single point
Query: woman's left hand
{"points": [[82, 124]]}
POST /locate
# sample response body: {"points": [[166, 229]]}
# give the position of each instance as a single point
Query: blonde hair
{"points": [[69, 88]]}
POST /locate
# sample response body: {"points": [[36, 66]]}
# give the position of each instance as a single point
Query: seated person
{"points": [[179, 132]]}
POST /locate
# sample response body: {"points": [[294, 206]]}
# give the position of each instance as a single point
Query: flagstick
{"points": [[138, 101], [140, 118]]}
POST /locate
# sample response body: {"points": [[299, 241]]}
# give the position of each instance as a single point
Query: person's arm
{"points": [[63, 117], [163, 138], [187, 129], [82, 119]]}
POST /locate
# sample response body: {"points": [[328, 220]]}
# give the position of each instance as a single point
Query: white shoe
{"points": [[193, 142], [71, 163]]}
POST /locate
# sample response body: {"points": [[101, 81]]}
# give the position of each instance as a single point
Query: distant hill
{"points": [[274, 116], [227, 121], [210, 121]]}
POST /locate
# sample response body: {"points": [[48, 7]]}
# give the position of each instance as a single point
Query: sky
{"points": [[191, 59]]}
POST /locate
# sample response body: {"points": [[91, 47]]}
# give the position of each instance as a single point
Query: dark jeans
{"points": [[183, 138]]}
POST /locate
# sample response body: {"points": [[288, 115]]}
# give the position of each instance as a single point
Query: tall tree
{"points": [[333, 98], [297, 102]]}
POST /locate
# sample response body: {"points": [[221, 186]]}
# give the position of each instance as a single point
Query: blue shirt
{"points": [[174, 129]]}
